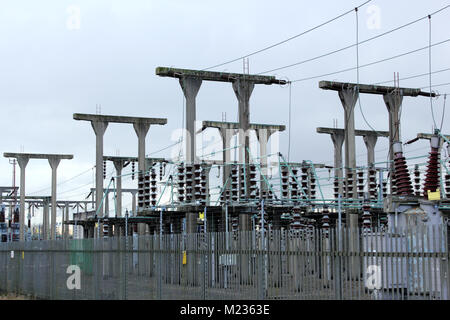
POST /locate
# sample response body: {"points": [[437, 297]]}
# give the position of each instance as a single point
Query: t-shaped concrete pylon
{"points": [[228, 130], [337, 136], [243, 85], [348, 93], [100, 123], [22, 159], [119, 163]]}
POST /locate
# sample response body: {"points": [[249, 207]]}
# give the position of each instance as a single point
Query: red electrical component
{"points": [[402, 178], [432, 174]]}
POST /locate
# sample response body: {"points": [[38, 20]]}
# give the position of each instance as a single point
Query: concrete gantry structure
{"points": [[348, 94], [228, 129], [45, 203], [242, 84], [9, 191], [392, 96], [337, 136], [99, 124], [119, 164], [22, 159], [119, 191]]}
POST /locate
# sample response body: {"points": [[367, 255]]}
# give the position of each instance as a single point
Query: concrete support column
{"points": [[226, 135], [23, 161], [54, 162], [190, 87], [338, 140], [66, 219], [106, 204], [141, 130], [263, 138], [393, 104], [133, 203], [370, 140], [243, 91], [99, 129], [118, 164], [45, 218], [207, 169], [349, 97], [191, 222]]}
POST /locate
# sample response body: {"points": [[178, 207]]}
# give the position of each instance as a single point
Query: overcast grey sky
{"points": [[50, 68]]}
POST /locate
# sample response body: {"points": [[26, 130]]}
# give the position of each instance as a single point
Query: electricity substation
{"points": [[255, 210], [244, 221]]}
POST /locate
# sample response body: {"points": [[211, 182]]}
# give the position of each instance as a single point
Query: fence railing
{"points": [[305, 264]]}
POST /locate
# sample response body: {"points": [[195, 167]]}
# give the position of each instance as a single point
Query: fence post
{"points": [[160, 255], [263, 264], [338, 249], [125, 271], [205, 256]]}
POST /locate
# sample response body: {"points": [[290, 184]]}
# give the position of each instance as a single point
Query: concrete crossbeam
{"points": [[99, 124], [357, 132], [216, 76], [118, 119], [372, 89]]}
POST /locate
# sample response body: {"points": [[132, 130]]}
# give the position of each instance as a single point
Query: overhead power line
{"points": [[372, 63], [355, 44], [288, 39], [413, 77], [62, 182]]}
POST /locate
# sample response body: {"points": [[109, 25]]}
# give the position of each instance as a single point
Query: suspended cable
{"points": [[371, 63], [429, 62], [436, 85], [357, 72], [289, 130], [443, 113], [353, 45], [286, 40], [413, 77], [62, 182]]}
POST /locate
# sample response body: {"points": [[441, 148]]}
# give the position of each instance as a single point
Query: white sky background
{"points": [[49, 71]]}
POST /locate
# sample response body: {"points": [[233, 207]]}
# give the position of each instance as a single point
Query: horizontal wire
{"points": [[371, 63], [353, 45], [289, 39]]}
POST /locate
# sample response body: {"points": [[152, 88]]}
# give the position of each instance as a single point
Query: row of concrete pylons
{"points": [[243, 86]]}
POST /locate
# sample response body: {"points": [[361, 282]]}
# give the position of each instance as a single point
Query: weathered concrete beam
{"points": [[135, 159], [302, 164], [357, 132], [235, 125], [37, 155], [372, 89], [118, 119], [216, 76], [113, 189], [38, 199]]}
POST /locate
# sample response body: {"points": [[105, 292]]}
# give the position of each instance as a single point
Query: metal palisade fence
{"points": [[305, 264]]}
